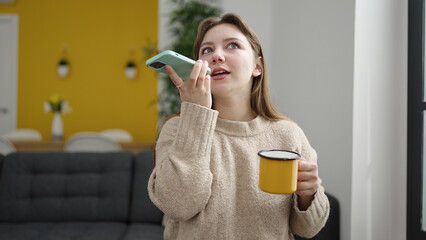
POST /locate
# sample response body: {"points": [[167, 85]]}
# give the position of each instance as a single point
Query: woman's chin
{"points": [[219, 90]]}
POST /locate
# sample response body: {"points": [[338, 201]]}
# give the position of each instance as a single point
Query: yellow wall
{"points": [[100, 35]]}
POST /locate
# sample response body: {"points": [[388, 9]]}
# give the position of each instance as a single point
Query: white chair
{"points": [[119, 135], [23, 134], [91, 142], [6, 146]]}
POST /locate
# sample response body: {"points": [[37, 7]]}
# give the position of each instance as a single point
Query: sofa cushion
{"points": [[65, 187], [143, 210], [1, 163], [63, 231]]}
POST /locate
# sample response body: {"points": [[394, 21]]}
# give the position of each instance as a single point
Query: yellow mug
{"points": [[278, 171]]}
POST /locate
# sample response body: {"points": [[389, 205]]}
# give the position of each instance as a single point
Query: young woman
{"points": [[206, 174]]}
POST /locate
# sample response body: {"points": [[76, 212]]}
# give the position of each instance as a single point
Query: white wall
{"points": [[165, 38], [258, 15], [380, 113], [312, 79]]}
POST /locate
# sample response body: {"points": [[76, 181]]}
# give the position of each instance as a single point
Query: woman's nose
{"points": [[218, 57]]}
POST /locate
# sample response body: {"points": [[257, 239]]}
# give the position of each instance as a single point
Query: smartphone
{"points": [[181, 64]]}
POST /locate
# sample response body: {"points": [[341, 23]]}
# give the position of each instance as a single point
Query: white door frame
{"points": [[8, 71]]}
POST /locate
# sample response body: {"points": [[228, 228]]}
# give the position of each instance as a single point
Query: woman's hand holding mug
{"points": [[307, 183]]}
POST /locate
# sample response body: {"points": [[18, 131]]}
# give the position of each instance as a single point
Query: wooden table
{"points": [[58, 146]]}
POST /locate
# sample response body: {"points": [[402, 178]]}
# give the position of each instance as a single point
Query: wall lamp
{"points": [[63, 67]]}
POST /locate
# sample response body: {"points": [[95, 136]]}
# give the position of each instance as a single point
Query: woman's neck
{"points": [[235, 109]]}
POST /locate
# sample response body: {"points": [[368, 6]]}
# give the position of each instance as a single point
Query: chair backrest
{"points": [[119, 135], [59, 186], [6, 147], [91, 142], [23, 134], [143, 210]]}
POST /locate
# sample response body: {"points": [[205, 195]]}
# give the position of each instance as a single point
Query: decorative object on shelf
{"points": [[63, 67], [57, 105], [131, 70], [57, 127]]}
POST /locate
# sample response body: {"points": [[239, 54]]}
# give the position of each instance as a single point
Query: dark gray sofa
{"points": [[331, 230], [77, 196], [88, 196], [1, 163]]}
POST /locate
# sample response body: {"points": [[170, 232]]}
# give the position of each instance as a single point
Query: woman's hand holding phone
{"points": [[197, 88]]}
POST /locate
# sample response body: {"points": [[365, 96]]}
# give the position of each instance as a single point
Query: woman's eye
{"points": [[206, 50], [233, 46]]}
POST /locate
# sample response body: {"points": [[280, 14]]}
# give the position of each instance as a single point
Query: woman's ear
{"points": [[258, 68]]}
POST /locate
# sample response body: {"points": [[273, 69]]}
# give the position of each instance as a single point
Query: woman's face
{"points": [[231, 59]]}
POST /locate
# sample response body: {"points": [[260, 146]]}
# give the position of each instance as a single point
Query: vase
{"points": [[57, 127]]}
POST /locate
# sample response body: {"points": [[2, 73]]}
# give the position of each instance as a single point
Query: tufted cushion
{"points": [[65, 187], [143, 210], [63, 231]]}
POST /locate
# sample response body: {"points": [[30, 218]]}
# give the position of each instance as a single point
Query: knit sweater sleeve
{"points": [[180, 184], [308, 223]]}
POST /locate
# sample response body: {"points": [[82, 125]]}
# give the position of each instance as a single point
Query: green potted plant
{"points": [[183, 24]]}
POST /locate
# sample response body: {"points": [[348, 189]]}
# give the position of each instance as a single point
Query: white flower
{"points": [[65, 107], [47, 107], [56, 104]]}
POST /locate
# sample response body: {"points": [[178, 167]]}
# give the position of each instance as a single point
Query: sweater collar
{"points": [[242, 129]]}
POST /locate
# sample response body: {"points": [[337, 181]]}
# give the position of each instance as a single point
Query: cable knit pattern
{"points": [[207, 173]]}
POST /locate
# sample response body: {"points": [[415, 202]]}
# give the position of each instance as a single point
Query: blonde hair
{"points": [[260, 99]]}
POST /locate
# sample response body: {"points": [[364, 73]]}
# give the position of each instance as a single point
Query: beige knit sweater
{"points": [[206, 179]]}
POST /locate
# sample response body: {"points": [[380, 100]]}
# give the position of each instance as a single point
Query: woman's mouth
{"points": [[219, 73]]}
